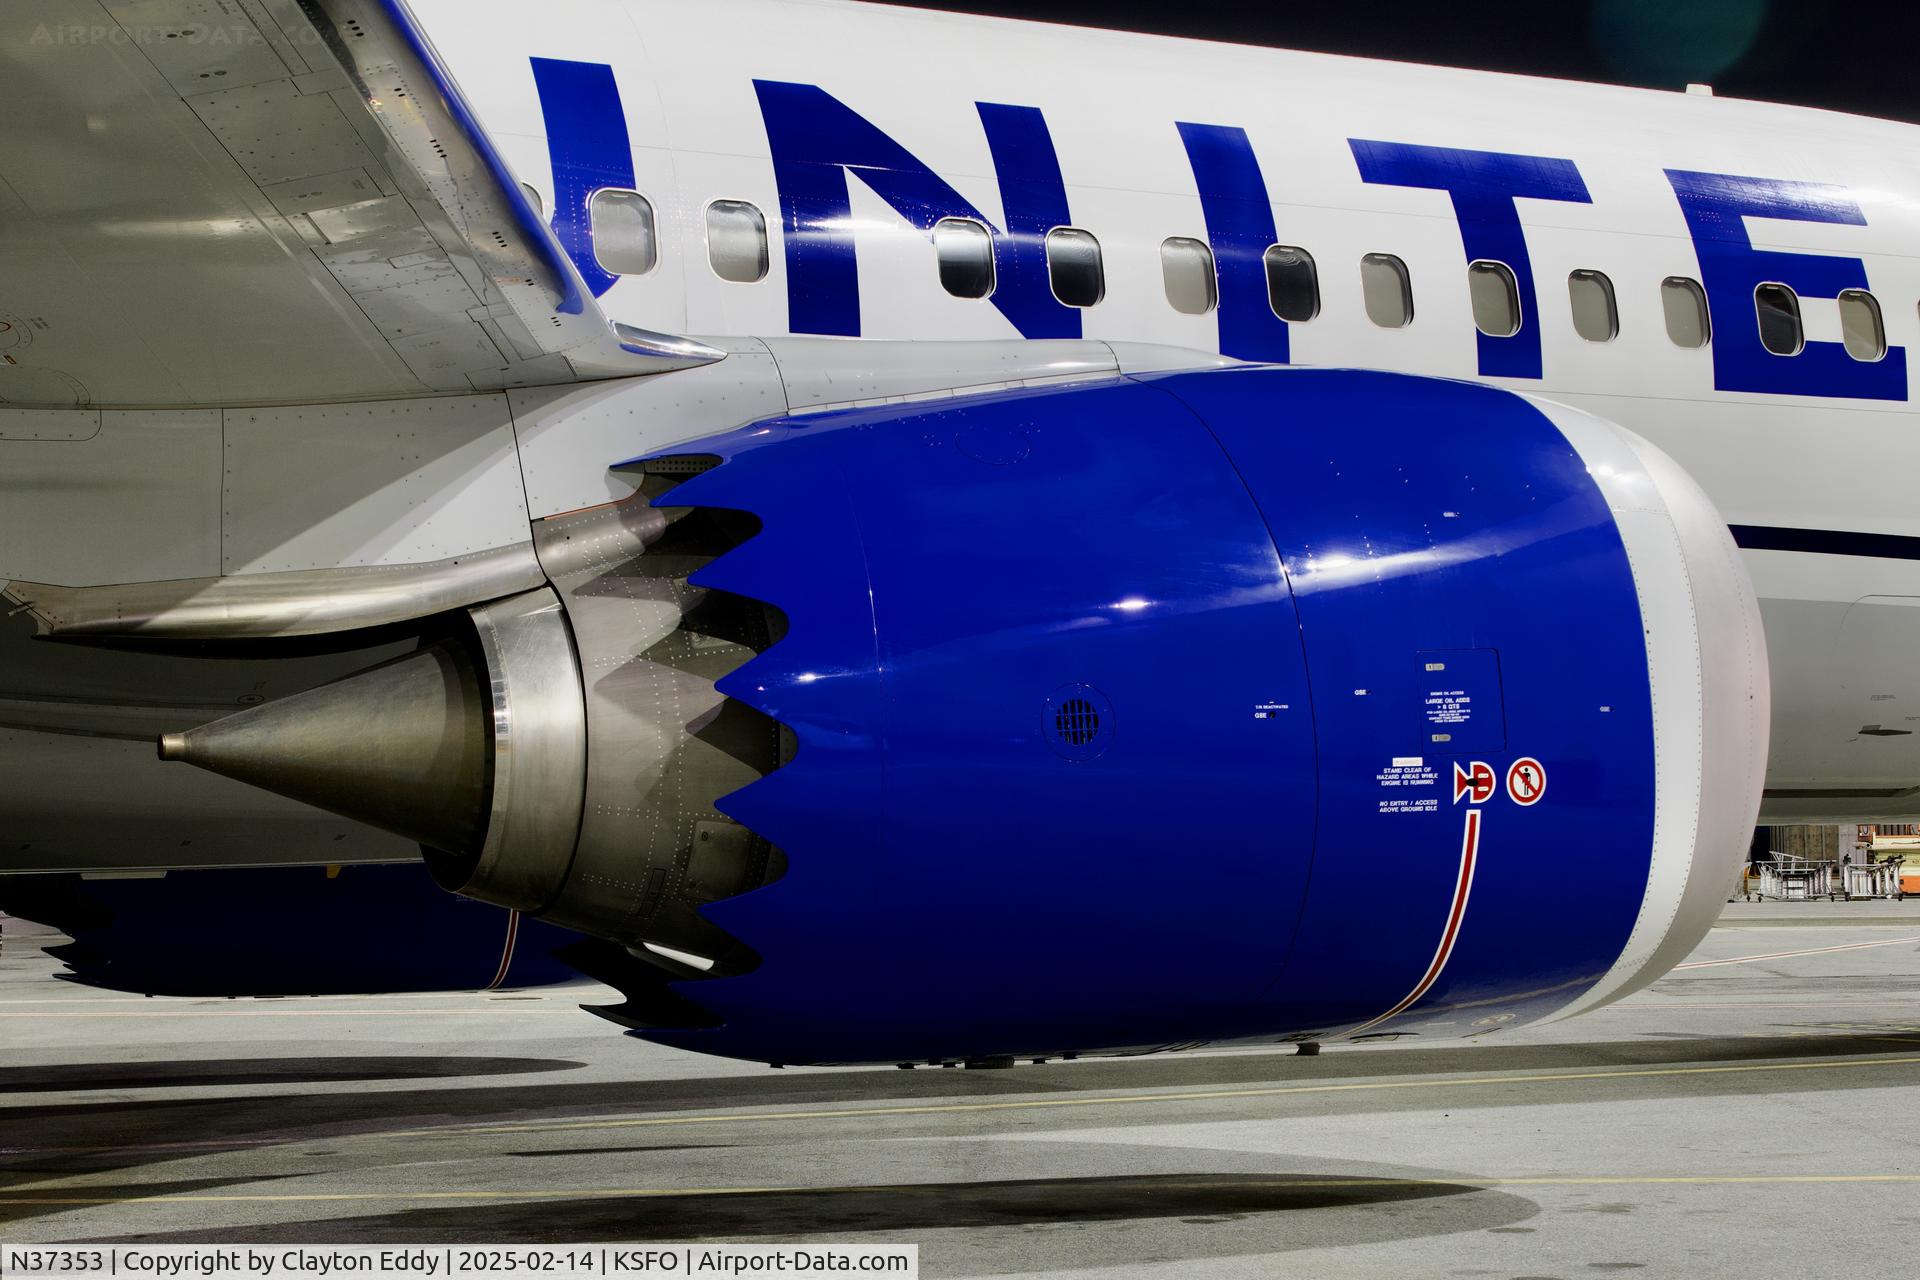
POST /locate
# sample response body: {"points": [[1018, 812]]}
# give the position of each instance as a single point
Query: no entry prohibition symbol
{"points": [[1526, 781]]}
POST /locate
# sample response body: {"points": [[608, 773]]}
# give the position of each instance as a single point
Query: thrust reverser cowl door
{"points": [[1481, 684], [1054, 781]]}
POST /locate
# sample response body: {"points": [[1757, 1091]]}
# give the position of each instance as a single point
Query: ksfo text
{"points": [[790, 1260]]}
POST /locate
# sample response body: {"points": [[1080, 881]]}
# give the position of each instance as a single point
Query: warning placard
{"points": [[1459, 701], [1408, 772], [1408, 804], [1449, 706]]}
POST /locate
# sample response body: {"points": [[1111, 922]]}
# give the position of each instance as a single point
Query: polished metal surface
{"points": [[559, 760], [402, 746], [474, 746], [265, 605], [538, 758], [664, 743]]}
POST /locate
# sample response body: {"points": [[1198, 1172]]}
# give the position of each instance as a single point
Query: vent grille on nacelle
{"points": [[1076, 721]]}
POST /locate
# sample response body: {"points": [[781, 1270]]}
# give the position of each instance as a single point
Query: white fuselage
{"points": [[1842, 627]]}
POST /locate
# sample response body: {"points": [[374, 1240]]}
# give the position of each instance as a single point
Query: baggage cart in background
{"points": [[1872, 880], [1788, 879]]}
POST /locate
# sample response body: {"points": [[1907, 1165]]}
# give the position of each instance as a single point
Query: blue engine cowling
{"points": [[1229, 706]]}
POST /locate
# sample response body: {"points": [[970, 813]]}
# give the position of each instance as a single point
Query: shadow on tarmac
{"points": [[1213, 1214], [205, 1073], [110, 1133]]}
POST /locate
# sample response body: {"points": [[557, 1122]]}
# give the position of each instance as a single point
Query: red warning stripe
{"points": [[1463, 886], [506, 952]]}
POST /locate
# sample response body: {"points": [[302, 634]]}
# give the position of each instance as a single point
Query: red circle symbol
{"points": [[1526, 781]]}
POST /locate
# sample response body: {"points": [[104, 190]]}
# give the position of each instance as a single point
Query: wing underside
{"points": [[268, 201]]}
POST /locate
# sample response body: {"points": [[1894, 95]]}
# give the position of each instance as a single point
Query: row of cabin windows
{"points": [[626, 243], [1777, 312], [964, 250]]}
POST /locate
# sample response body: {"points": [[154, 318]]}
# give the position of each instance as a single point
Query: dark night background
{"points": [[1846, 55]]}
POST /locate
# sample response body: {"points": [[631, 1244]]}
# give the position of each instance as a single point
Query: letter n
{"points": [[817, 140]]}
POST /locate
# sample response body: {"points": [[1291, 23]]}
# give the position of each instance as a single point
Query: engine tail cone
{"points": [[404, 746]]}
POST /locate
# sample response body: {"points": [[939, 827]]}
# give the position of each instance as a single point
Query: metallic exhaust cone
{"points": [[404, 746]]}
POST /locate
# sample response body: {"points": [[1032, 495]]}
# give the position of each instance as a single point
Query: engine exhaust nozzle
{"points": [[403, 746], [432, 745]]}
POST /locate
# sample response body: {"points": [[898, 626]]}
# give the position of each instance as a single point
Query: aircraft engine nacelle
{"points": [[1239, 705]]}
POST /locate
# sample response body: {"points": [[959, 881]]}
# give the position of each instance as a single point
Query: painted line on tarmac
{"points": [[1276, 1184], [1786, 955], [1688, 1006], [1104, 1100]]}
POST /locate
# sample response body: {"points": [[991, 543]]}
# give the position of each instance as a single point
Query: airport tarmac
{"points": [[1753, 1114]]}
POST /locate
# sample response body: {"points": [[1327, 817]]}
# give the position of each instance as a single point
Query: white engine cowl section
{"points": [[1707, 667]]}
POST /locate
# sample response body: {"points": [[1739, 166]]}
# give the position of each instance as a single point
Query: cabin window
{"points": [[1595, 315], [1777, 309], [1685, 304], [1495, 297], [1073, 267], [623, 235], [737, 241], [1186, 265], [965, 250], [1860, 325], [1293, 284], [1388, 290]]}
